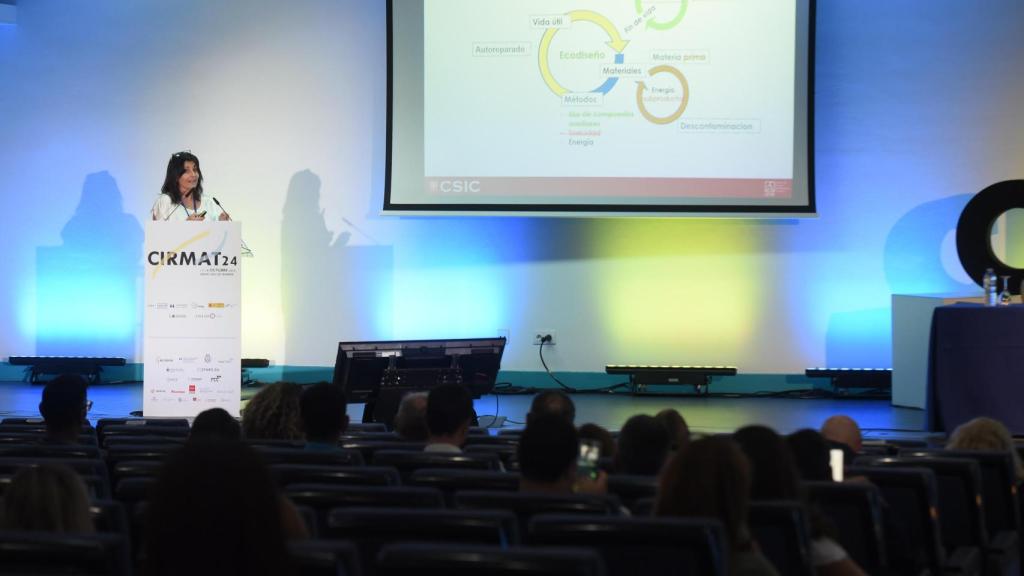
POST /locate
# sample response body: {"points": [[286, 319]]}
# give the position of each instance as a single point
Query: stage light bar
{"points": [[88, 366], [878, 378], [642, 376]]}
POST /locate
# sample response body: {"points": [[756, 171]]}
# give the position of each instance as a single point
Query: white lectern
{"points": [[192, 330]]}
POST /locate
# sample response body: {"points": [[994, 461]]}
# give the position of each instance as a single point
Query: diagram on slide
{"points": [[645, 19], [610, 88]]}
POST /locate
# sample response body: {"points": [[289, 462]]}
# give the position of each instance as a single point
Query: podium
{"points": [[192, 327]]}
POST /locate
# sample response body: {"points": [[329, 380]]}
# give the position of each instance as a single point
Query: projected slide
{"points": [[624, 102]]}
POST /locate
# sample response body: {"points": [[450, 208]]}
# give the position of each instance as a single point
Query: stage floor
{"points": [[707, 415]]}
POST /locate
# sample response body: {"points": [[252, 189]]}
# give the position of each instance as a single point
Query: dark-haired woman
{"points": [[181, 197]]}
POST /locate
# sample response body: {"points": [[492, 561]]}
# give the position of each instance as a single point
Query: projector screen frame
{"points": [[807, 210]]}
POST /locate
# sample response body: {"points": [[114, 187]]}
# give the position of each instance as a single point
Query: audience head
{"points": [[709, 478], [215, 424], [219, 496], [678, 431], [64, 406], [46, 498], [601, 437], [773, 472], [811, 453], [985, 434], [449, 413], [643, 446], [274, 413], [843, 429], [411, 418], [324, 416], [547, 451], [552, 402]]}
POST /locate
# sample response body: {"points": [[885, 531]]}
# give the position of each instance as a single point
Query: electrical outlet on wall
{"points": [[539, 335]]}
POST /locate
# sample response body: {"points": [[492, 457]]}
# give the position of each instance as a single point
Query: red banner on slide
{"points": [[467, 188]]}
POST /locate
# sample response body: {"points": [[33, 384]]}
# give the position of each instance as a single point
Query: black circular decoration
{"points": [[974, 231]]}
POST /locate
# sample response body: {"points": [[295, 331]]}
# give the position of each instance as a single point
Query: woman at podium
{"points": [[181, 196]]}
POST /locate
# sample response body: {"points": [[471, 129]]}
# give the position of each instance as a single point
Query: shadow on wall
{"points": [[920, 258], [87, 289], [331, 290]]}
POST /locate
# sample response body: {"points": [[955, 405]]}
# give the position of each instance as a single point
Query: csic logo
{"points": [[459, 186]]}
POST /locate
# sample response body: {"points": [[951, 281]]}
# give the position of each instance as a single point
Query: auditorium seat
{"points": [[527, 505], [97, 487], [135, 440], [507, 453], [407, 461], [9, 465], [451, 480], [132, 490], [356, 436], [998, 481], [366, 427], [151, 431], [287, 474], [781, 532], [276, 455], [323, 498], [102, 423], [856, 511], [912, 495], [643, 507], [39, 437], [46, 450], [371, 528], [628, 546], [44, 554], [629, 487], [962, 510], [324, 558], [370, 447], [486, 439], [110, 516], [404, 559]]}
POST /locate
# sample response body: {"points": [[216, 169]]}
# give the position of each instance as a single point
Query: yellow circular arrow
{"points": [[616, 43], [641, 87]]}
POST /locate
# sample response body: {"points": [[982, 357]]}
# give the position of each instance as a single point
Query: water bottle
{"points": [[988, 282]]}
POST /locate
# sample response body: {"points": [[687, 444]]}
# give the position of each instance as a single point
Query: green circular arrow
{"points": [[664, 25]]}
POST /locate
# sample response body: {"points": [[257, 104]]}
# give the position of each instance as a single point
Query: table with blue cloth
{"points": [[976, 366]]}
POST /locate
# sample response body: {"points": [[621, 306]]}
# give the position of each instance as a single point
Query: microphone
{"points": [[217, 202], [246, 251]]}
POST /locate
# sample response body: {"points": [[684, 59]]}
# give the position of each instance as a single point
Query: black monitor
{"points": [[379, 373]]}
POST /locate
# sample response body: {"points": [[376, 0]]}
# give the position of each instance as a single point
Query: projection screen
{"points": [[657, 107]]}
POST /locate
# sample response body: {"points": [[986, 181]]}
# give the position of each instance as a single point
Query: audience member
{"points": [[643, 446], [774, 476], [324, 417], [63, 407], [449, 414], [215, 424], [274, 413], [552, 402], [810, 454], [603, 438], [844, 433], [710, 478], [678, 431], [548, 449], [411, 418], [46, 498], [986, 434], [215, 510]]}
